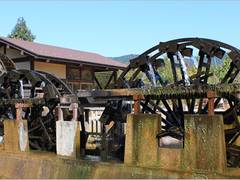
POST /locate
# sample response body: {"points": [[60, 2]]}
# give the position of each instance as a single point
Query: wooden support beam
{"points": [[5, 50], [136, 105], [109, 80], [165, 92], [32, 65], [211, 96], [115, 77], [21, 59], [99, 85], [19, 107]]}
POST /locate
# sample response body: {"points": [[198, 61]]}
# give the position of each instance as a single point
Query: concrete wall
{"points": [[45, 166], [15, 135], [203, 155], [204, 144]]}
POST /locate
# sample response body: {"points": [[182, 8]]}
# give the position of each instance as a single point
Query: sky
{"points": [[115, 28]]}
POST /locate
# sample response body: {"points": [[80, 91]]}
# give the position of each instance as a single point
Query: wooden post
{"points": [[211, 96], [92, 126], [60, 113], [75, 111], [18, 114], [96, 126], [115, 77], [136, 105], [5, 50], [137, 98], [19, 107]]}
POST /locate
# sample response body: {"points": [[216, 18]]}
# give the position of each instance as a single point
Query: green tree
{"points": [[222, 70], [21, 31]]}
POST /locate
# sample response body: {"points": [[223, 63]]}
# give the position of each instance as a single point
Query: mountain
{"points": [[125, 58]]}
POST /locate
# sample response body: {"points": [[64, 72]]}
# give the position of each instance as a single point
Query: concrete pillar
{"points": [[237, 142], [16, 135], [204, 145], [68, 134], [141, 145]]}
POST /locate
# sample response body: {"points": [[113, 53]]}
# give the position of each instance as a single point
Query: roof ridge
{"points": [[42, 44]]}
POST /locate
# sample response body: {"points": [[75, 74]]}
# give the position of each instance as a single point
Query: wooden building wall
{"points": [[77, 76], [57, 69]]}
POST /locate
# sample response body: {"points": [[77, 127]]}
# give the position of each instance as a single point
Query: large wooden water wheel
{"points": [[187, 62]]}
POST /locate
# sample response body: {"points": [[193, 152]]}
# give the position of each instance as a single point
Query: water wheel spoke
{"points": [[173, 67], [174, 117], [45, 131], [192, 106], [35, 145], [180, 107], [38, 126], [145, 105], [155, 105], [146, 108], [135, 74], [233, 153], [166, 113], [235, 137]]}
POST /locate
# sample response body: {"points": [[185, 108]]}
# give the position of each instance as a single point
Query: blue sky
{"points": [[114, 28]]}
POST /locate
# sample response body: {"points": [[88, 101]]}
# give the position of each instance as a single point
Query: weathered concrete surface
{"points": [[45, 165], [160, 162], [141, 146], [68, 138], [15, 135], [204, 144], [237, 142]]}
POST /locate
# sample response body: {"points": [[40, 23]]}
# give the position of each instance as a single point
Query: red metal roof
{"points": [[53, 52]]}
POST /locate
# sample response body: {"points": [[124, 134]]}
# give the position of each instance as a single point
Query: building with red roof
{"points": [[76, 67]]}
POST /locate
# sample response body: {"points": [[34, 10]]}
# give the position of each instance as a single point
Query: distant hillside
{"points": [[125, 59], [189, 61]]}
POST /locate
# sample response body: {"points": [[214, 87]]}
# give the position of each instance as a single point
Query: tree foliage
{"points": [[102, 78], [21, 31], [221, 71], [218, 73]]}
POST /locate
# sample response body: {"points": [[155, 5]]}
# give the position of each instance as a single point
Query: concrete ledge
{"points": [[46, 166]]}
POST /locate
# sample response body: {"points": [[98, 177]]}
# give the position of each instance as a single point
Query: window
{"points": [[87, 75], [73, 73]]}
